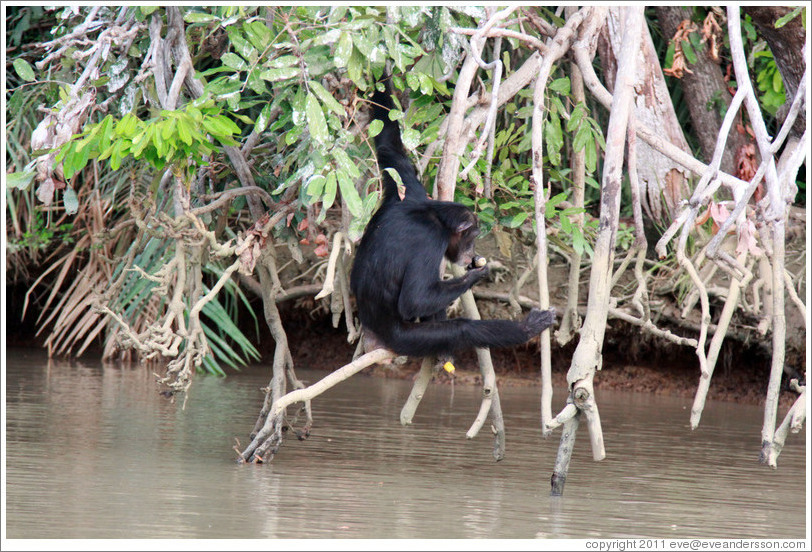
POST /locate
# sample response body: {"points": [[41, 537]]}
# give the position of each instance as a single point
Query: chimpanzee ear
{"points": [[463, 226], [455, 217]]}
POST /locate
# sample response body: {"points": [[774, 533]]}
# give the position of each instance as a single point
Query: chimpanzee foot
{"points": [[538, 320]]}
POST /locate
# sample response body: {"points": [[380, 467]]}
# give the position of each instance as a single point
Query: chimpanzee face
{"points": [[461, 243]]}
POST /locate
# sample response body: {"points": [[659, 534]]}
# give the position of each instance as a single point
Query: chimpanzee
{"points": [[401, 297]]}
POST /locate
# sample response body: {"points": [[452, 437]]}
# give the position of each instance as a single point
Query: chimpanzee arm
{"points": [[423, 293]]}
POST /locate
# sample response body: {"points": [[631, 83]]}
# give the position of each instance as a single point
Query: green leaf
{"points": [[575, 118], [550, 205], [778, 84], [578, 241], [581, 138], [554, 140], [516, 220], [591, 158], [198, 17], [105, 132], [315, 119], [326, 98], [330, 189], [343, 50], [688, 50], [315, 185], [283, 61], [411, 138], [566, 225], [215, 311], [562, 85], [355, 69], [363, 44], [281, 73], [375, 127], [71, 201], [426, 86], [240, 44], [258, 34], [25, 70], [345, 163], [398, 181], [213, 127], [128, 126], [696, 42], [337, 14], [789, 17], [68, 153], [184, 132], [350, 194], [263, 119], [229, 126], [234, 61], [20, 180], [592, 183], [161, 146]]}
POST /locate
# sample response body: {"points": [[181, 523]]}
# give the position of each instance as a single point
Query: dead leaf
{"points": [[45, 191], [678, 65], [747, 239], [719, 214], [746, 162], [43, 136], [712, 33], [248, 258], [503, 240]]}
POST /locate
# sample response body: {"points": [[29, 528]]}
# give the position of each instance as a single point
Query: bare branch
{"points": [[332, 379], [427, 370], [560, 45]]}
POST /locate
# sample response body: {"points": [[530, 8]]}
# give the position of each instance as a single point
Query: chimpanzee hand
{"points": [[538, 320], [474, 275], [477, 261]]}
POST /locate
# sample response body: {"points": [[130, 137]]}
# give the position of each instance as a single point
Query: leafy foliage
{"points": [[177, 137]]}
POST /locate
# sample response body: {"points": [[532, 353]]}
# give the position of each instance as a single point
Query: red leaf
{"points": [[321, 251]]}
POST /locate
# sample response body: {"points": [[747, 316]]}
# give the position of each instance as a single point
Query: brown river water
{"points": [[92, 451]]}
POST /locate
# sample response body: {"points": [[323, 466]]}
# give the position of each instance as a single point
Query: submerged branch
{"points": [[428, 368]]}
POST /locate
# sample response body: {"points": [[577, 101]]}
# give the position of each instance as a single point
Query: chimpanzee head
{"points": [[461, 242]]}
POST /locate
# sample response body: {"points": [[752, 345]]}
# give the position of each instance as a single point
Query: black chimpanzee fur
{"points": [[396, 280]]}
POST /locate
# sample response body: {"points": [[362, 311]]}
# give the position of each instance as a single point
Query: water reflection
{"points": [[93, 451]]}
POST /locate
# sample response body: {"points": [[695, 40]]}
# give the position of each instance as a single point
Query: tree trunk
{"points": [[701, 87], [662, 182]]}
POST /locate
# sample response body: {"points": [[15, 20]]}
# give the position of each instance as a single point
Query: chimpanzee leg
{"points": [[445, 337]]}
